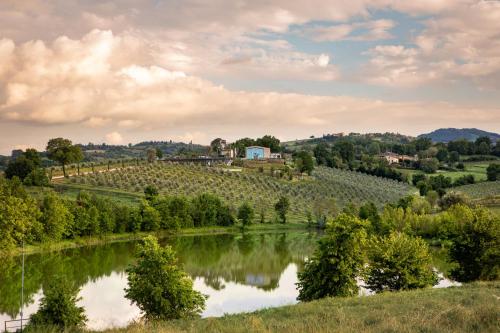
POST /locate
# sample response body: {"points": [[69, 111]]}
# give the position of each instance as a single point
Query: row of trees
{"points": [[22, 218], [386, 251]]}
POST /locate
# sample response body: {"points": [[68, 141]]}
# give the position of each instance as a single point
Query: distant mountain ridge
{"points": [[452, 134]]}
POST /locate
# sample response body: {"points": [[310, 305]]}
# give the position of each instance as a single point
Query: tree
{"points": [[159, 153], [476, 246], [151, 155], [241, 144], [454, 157], [245, 214], [322, 153], [159, 287], [399, 262], [150, 192], [493, 172], [345, 150], [63, 151], [429, 165], [58, 307], [453, 198], [21, 167], [56, 217], [422, 144], [304, 162], [337, 262], [281, 207], [216, 146], [270, 142]]}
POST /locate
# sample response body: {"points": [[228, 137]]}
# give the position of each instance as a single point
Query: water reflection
{"points": [[240, 272]]}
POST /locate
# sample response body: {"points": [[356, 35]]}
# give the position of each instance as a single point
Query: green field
{"points": [[470, 308], [481, 190], [477, 169], [236, 187]]}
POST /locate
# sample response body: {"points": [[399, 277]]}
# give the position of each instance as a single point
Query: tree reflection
{"points": [[249, 259]]}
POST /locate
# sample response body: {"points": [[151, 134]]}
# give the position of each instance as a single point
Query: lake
{"points": [[239, 273]]}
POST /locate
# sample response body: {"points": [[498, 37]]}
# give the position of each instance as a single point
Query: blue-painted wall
{"points": [[254, 153]]}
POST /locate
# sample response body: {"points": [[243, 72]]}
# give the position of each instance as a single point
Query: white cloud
{"points": [[357, 31], [114, 138]]}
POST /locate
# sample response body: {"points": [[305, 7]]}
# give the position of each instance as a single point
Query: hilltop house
{"points": [[257, 153], [394, 158]]}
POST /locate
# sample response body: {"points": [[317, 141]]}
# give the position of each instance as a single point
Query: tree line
{"points": [[52, 218]]}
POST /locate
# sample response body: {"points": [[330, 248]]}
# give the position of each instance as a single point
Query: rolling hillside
{"points": [[451, 134], [240, 185]]}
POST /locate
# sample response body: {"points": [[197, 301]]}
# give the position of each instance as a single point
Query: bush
{"points": [[476, 247], [58, 307], [453, 198], [493, 172], [245, 214], [161, 289], [334, 267], [399, 262]]}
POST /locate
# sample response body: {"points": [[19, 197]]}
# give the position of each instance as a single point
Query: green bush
{"points": [[159, 287], [338, 261], [58, 307], [399, 262], [476, 247]]}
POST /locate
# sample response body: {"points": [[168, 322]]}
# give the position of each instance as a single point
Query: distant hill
{"points": [[451, 134]]}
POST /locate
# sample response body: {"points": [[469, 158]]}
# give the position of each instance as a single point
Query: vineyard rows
{"points": [[259, 189]]}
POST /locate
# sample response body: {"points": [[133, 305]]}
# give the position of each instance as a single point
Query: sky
{"points": [[124, 71]]}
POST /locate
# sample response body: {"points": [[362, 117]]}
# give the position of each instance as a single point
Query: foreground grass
{"points": [[471, 308], [111, 238]]}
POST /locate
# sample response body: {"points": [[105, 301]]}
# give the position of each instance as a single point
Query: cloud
{"points": [[461, 44], [114, 138], [358, 31]]}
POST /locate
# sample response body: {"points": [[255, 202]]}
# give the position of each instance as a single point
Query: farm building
{"points": [[257, 153], [394, 158]]}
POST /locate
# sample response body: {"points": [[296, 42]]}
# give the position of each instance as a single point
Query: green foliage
{"points": [[304, 162], [159, 287], [453, 198], [337, 262], [64, 152], [19, 216], [270, 142], [281, 207], [150, 192], [429, 165], [476, 246], [493, 172], [399, 262], [56, 217], [245, 214], [58, 307]]}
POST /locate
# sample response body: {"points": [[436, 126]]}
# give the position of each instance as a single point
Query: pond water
{"points": [[239, 273]]}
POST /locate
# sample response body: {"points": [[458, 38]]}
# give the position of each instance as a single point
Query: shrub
{"points": [[476, 247], [159, 287], [334, 267], [245, 214], [493, 172], [453, 198], [58, 307], [399, 262]]}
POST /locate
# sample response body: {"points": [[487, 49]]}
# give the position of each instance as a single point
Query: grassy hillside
{"points": [[451, 134], [481, 190], [239, 185], [471, 308]]}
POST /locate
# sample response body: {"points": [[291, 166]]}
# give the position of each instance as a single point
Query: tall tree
{"points": [[281, 207], [245, 214], [270, 142], [337, 262], [64, 152]]}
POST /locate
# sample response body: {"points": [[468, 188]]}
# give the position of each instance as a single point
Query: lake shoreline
{"points": [[472, 307], [124, 237]]}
